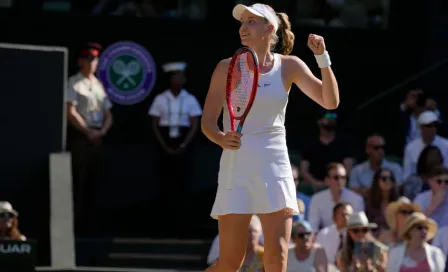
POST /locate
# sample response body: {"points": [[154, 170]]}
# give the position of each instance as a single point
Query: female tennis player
{"points": [[262, 181]]}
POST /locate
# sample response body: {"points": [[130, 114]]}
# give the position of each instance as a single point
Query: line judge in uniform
{"points": [[89, 118], [175, 117]]}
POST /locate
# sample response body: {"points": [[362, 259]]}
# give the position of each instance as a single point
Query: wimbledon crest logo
{"points": [[127, 71]]}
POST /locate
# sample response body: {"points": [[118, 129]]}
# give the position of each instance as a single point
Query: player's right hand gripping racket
{"points": [[241, 88]]}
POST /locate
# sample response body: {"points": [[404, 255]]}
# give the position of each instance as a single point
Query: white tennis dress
{"points": [[261, 180]]}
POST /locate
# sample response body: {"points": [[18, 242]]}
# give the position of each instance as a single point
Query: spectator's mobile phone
{"points": [[363, 250]]}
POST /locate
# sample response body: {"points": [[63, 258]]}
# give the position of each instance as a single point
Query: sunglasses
{"points": [[7, 216], [432, 125], [377, 147], [359, 230], [405, 212], [440, 181], [303, 235], [421, 227], [338, 177], [386, 178]]}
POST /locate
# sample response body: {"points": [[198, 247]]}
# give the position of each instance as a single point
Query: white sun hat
{"points": [[260, 10]]}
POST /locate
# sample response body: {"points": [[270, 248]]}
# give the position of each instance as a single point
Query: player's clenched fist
{"points": [[231, 140], [317, 44]]}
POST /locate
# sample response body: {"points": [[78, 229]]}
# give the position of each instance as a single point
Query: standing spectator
{"points": [[418, 182], [331, 238], [415, 254], [413, 105], [320, 215], [329, 147], [428, 122], [362, 174], [306, 255], [383, 192], [434, 202], [90, 118], [175, 117], [9, 223]]}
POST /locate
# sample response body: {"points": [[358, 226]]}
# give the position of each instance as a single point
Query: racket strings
{"points": [[244, 79]]}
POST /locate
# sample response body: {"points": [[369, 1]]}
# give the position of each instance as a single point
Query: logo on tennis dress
{"points": [[127, 71]]}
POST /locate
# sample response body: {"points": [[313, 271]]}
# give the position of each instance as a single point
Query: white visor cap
{"points": [[258, 10]]}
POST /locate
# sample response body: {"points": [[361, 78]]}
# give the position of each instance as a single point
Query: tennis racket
{"points": [[241, 89]]}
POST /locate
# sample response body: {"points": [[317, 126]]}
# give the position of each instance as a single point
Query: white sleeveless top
{"points": [[260, 175], [295, 265], [269, 107]]}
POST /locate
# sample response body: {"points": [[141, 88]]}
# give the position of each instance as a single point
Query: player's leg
{"points": [[277, 233], [233, 236]]}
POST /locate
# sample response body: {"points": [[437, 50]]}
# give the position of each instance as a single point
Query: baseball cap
{"points": [[427, 117], [260, 10], [90, 51]]}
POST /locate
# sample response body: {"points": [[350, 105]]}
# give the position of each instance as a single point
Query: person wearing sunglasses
{"points": [[330, 146], [416, 254], [429, 123], [396, 214], [362, 175], [305, 255], [434, 202], [382, 192], [9, 223], [361, 251]]}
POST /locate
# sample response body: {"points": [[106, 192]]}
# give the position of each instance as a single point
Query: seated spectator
{"points": [[441, 240], [362, 174], [418, 182], [320, 215], [428, 122], [382, 193], [415, 254], [302, 199], [254, 248], [396, 214], [434, 202], [359, 230], [329, 147], [331, 237], [305, 255], [9, 224]]}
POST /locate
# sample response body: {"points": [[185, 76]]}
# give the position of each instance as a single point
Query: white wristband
{"points": [[323, 60]]}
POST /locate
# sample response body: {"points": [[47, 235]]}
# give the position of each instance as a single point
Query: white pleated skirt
{"points": [[261, 180]]}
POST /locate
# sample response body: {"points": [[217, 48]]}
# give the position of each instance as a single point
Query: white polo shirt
{"points": [[414, 149], [321, 207], [175, 111]]}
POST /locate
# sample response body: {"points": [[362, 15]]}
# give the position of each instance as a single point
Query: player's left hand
{"points": [[317, 44]]}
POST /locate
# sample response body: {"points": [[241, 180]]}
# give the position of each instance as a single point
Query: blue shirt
{"points": [[362, 174]]}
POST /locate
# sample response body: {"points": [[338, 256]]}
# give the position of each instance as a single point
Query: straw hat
{"points": [[393, 207], [359, 220], [6, 207], [419, 218]]}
